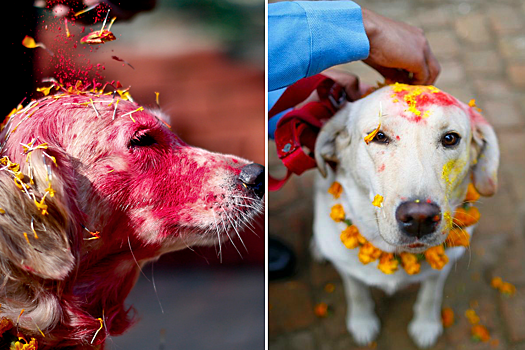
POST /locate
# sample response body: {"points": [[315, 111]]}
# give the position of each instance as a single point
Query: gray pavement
{"points": [[206, 308]]}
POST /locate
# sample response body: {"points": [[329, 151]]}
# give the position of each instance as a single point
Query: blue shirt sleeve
{"points": [[307, 37]]}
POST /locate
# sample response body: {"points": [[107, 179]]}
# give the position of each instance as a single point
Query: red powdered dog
{"points": [[93, 186]]}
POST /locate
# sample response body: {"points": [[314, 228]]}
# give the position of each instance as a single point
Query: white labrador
{"points": [[429, 147]]}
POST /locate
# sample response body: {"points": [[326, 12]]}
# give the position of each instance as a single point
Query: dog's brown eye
{"points": [[381, 137], [142, 140], [450, 140]]}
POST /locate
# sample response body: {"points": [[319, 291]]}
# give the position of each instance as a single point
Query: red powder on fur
{"points": [[418, 100]]}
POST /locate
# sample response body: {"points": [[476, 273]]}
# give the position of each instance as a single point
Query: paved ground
{"points": [[481, 46]]}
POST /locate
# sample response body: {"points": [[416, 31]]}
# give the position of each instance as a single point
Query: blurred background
{"points": [[481, 47], [206, 60]]}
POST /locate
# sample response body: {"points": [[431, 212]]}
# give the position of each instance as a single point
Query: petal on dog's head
{"points": [[35, 221]]}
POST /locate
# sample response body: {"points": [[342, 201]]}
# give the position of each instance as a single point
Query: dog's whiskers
{"points": [[218, 236], [155, 287], [229, 237], [136, 262], [238, 235]]}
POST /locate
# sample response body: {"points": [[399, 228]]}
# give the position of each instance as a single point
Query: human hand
{"points": [[353, 87], [398, 51]]}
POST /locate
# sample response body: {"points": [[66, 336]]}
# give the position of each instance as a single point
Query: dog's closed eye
{"points": [[141, 140]]}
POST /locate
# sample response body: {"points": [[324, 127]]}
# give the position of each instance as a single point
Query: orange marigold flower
{"points": [[496, 282], [466, 216], [480, 332], [5, 325], [22, 345], [321, 310], [336, 189], [338, 213], [368, 253], [447, 317], [410, 263], [350, 237], [504, 287], [472, 194], [387, 263], [472, 316], [507, 289], [458, 237], [436, 257]]}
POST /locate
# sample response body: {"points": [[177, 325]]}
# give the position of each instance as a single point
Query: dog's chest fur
{"points": [[328, 244]]}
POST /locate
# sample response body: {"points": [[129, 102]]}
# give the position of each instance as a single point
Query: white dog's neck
{"points": [[357, 203]]}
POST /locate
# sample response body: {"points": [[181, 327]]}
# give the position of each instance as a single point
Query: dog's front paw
{"points": [[364, 329], [425, 332]]}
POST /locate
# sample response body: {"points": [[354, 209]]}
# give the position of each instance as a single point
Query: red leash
{"points": [[298, 129]]}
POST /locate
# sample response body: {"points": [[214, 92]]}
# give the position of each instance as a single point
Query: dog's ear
{"points": [[325, 143], [486, 153], [36, 217]]}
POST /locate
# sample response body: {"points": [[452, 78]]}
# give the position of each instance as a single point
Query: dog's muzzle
{"points": [[252, 176], [418, 218]]}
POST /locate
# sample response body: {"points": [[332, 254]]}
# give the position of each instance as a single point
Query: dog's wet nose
{"points": [[418, 218], [252, 175]]}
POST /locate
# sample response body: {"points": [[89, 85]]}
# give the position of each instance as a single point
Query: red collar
{"points": [[298, 129]]}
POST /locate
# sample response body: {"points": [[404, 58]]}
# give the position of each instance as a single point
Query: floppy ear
{"points": [[325, 143], [485, 143], [36, 226]]}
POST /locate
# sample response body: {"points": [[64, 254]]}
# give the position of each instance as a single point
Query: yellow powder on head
{"points": [[411, 97]]}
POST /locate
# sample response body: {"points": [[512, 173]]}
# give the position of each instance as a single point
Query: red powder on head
{"points": [[474, 116], [381, 168], [418, 99]]}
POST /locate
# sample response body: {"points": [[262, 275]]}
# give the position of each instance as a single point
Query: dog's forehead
{"points": [[424, 107]]}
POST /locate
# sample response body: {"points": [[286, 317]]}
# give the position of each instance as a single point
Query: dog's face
{"points": [[94, 185], [426, 150]]}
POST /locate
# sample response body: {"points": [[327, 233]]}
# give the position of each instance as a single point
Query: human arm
{"points": [[307, 37], [304, 38]]}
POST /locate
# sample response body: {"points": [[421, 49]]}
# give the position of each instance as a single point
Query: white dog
{"points": [[423, 149]]}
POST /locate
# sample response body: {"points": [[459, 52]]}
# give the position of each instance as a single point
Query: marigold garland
{"points": [[436, 257]]}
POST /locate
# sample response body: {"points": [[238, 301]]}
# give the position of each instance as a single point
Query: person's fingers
{"points": [[433, 67], [420, 71], [392, 75], [349, 81]]}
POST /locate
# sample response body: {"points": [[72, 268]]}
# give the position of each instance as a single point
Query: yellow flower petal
{"points": [[472, 316], [373, 134], [378, 200], [29, 42]]}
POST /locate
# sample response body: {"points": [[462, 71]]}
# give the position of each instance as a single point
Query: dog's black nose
{"points": [[418, 218], [252, 175]]}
